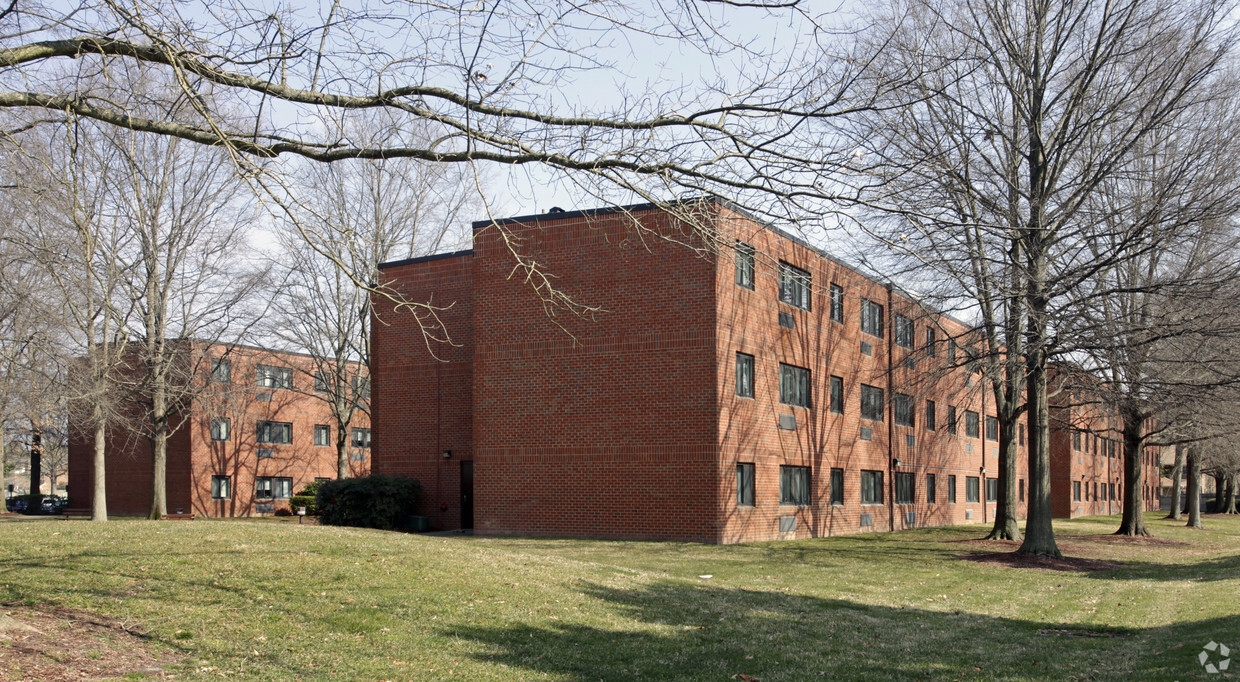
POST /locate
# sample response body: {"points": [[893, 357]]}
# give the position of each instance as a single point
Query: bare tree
{"points": [[1177, 481], [360, 213], [1039, 103]]}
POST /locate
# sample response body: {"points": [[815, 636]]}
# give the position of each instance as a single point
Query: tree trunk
{"points": [[1133, 521], [1194, 488], [342, 452], [1039, 533], [99, 505], [36, 459], [1229, 495], [1177, 479], [159, 454], [1006, 526], [1216, 505]]}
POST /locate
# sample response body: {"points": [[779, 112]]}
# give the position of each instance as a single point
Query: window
{"points": [[902, 329], [992, 428], [794, 485], [321, 382], [871, 487], [275, 432], [871, 318], [322, 434], [902, 409], [1076, 491], [361, 387], [357, 456], [274, 377], [992, 489], [904, 488], [273, 487], [1086, 491], [972, 489], [951, 488], [970, 424], [1020, 485], [794, 286], [871, 403], [793, 385], [1076, 440], [221, 487], [932, 345], [951, 419], [837, 486], [219, 428], [744, 266], [837, 303], [930, 491], [929, 415], [1020, 435], [744, 484], [1095, 491], [837, 395], [1112, 492], [221, 371], [744, 375], [361, 438], [951, 351]]}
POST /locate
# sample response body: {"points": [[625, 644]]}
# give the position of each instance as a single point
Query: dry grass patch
{"points": [[54, 643]]}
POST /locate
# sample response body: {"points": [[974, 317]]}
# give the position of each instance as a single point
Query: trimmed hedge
{"points": [[378, 501], [310, 502]]}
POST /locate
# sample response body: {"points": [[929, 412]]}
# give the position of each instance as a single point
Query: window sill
{"points": [[872, 504], [795, 505]]}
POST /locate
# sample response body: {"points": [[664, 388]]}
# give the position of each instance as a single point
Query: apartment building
{"points": [[751, 388], [255, 431]]}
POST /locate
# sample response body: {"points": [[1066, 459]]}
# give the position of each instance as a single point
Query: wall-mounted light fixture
{"points": [[895, 462], [447, 454]]}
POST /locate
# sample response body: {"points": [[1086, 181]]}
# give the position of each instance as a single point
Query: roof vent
{"points": [[556, 209]]}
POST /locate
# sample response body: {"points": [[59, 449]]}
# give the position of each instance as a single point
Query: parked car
{"points": [[53, 504], [16, 504]]}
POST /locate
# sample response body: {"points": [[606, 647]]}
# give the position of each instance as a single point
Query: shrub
{"points": [[282, 511], [305, 500], [377, 501], [311, 488]]}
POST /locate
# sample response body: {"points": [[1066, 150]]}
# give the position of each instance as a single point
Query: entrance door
{"points": [[467, 494]]}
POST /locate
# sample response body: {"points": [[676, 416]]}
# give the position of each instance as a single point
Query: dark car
{"points": [[52, 504], [16, 504]]}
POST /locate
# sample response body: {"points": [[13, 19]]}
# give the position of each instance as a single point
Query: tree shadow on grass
{"points": [[678, 630]]}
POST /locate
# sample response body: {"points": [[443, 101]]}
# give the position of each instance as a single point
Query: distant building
{"points": [[760, 390], [253, 436]]}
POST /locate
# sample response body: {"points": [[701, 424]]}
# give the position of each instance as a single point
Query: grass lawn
{"points": [[255, 600]]}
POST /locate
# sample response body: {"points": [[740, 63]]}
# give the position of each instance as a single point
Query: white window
{"points": [[219, 428], [794, 286]]}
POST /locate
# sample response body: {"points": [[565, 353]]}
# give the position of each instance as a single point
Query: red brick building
{"points": [[756, 391], [255, 434]]}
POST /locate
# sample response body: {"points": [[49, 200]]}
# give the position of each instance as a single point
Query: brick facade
{"points": [[621, 418], [195, 457]]}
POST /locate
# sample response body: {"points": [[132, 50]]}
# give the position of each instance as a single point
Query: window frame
{"points": [[836, 303], [871, 487], [745, 480], [221, 371], [275, 488], [872, 399], [931, 415], [992, 490], [872, 318], [932, 344], [902, 410], [326, 431], [837, 395], [273, 376], [903, 331], [795, 286], [265, 432], [795, 384], [216, 435], [972, 489], [837, 487], [992, 428], [791, 475], [972, 424], [906, 487], [931, 489], [951, 488], [219, 482], [744, 375], [360, 437], [745, 260]]}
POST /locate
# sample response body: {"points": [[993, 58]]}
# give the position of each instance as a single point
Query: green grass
{"points": [[280, 601]]}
